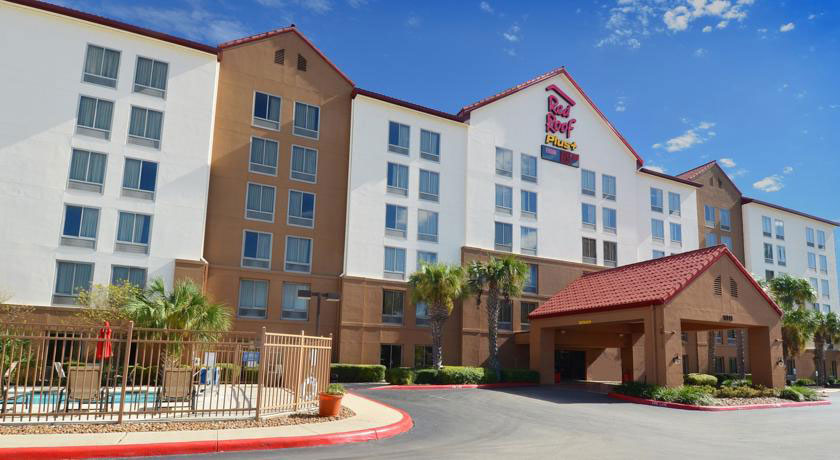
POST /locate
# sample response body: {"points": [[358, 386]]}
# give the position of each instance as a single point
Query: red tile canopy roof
{"points": [[654, 282]]}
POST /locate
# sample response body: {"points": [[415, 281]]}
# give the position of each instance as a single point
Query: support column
{"points": [[632, 358], [650, 375], [765, 351], [669, 348], [542, 352]]}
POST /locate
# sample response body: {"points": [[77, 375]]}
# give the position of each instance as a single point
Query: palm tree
{"points": [[502, 278], [792, 294], [712, 351], [439, 286], [826, 329]]}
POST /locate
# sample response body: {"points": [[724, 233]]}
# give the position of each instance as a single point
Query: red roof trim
{"points": [[745, 200], [406, 104], [464, 114], [114, 24], [692, 174], [669, 177], [282, 30]]}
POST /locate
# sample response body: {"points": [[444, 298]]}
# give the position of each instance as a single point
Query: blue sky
{"points": [[753, 82]]}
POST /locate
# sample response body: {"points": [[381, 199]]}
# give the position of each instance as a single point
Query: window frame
{"points": [[395, 231], [401, 316], [525, 177], [727, 226], [251, 164], [397, 148], [286, 261], [604, 194], [772, 258], [781, 256], [821, 240], [285, 313], [594, 244], [84, 66], [671, 211], [501, 246], [273, 208], [239, 315], [776, 227], [504, 172], [502, 209], [289, 217], [244, 257], [418, 258], [295, 127], [150, 90], [144, 141], [424, 320], [429, 155], [706, 222], [428, 237], [610, 262], [89, 130], [139, 192], [62, 296], [266, 122], [532, 285], [586, 191], [86, 184], [395, 189], [588, 225], [130, 268], [132, 246], [524, 321], [604, 224], [426, 196], [292, 170], [653, 236], [505, 306], [393, 274], [671, 227], [528, 214], [522, 249], [85, 241], [657, 192], [765, 232]]}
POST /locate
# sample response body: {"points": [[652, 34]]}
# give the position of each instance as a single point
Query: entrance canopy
{"points": [[642, 309]]}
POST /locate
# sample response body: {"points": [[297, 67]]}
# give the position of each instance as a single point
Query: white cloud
{"points": [[509, 51], [788, 170], [512, 34], [357, 3], [722, 24], [769, 184], [316, 6], [691, 137], [787, 27], [762, 30], [727, 162], [193, 22], [413, 21], [707, 29], [620, 106], [812, 16], [486, 7], [737, 173], [700, 52], [655, 168]]}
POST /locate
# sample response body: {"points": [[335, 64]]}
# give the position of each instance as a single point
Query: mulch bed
{"points": [[294, 419], [748, 401]]}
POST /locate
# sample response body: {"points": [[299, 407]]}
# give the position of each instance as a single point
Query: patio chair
{"points": [[83, 385], [177, 386], [6, 382]]}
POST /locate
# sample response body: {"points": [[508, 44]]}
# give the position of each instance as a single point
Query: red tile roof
{"points": [[746, 200], [654, 282], [691, 174]]}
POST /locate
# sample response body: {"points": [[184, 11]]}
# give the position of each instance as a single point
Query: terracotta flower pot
{"points": [[329, 405]]}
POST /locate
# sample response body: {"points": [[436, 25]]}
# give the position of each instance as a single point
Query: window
{"points": [[298, 254], [394, 263], [815, 284], [709, 213], [674, 205], [719, 340], [429, 185], [70, 278], [766, 226], [780, 253], [608, 187], [396, 220], [505, 315], [504, 162], [307, 120], [820, 239], [657, 230], [657, 254], [150, 77], [812, 261], [101, 66], [398, 138], [397, 179], [823, 264], [87, 170], [711, 239], [293, 306], [266, 111], [80, 225], [768, 253], [610, 254], [590, 251], [421, 314], [809, 237], [427, 225], [253, 298], [263, 156], [528, 243], [610, 220], [656, 200], [731, 337], [139, 179], [144, 128], [824, 289], [256, 249], [780, 229], [259, 202], [429, 145], [504, 199], [684, 336], [529, 203], [301, 209], [533, 279], [529, 167], [94, 117], [827, 310], [392, 306], [423, 357], [133, 232], [727, 241], [390, 356], [426, 257], [733, 365], [304, 164], [588, 217], [587, 182], [676, 233], [769, 275], [136, 276], [525, 309], [725, 221], [301, 63], [503, 236]]}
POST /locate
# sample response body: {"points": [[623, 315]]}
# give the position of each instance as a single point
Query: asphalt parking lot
{"points": [[548, 422]]}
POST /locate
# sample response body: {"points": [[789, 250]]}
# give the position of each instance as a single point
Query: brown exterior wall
{"points": [[245, 69]]}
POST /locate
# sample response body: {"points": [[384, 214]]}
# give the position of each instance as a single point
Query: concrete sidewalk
{"points": [[373, 420]]}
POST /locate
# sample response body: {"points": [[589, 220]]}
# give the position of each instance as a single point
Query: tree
{"points": [[826, 330], [107, 302], [502, 278], [439, 286], [712, 351], [792, 294]]}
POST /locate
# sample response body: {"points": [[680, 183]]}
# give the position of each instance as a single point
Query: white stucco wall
{"points": [[687, 218], [42, 84]]}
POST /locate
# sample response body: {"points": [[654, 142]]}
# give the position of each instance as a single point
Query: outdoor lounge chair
{"points": [[177, 387], [83, 385], [5, 383]]}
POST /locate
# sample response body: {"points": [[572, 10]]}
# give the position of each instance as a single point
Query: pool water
{"points": [[131, 397]]}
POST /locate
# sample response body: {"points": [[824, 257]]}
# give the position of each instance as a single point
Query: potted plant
{"points": [[329, 402]]}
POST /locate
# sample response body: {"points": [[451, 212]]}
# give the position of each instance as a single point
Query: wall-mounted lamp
{"points": [[780, 362], [777, 341], [676, 359]]}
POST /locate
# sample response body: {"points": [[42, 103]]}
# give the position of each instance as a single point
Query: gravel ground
{"points": [[294, 419], [748, 401]]}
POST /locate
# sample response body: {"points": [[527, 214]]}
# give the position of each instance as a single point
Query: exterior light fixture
{"points": [[305, 294]]}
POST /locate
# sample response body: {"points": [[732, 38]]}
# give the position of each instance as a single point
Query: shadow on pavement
{"points": [[560, 394]]}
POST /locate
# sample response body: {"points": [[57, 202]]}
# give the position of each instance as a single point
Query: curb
{"points": [[205, 447], [670, 405], [483, 386]]}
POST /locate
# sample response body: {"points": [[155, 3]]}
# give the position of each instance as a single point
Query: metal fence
{"points": [[113, 374]]}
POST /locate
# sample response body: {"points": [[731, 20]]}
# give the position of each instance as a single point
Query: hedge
{"points": [[458, 375], [700, 379], [400, 376], [353, 373], [804, 382]]}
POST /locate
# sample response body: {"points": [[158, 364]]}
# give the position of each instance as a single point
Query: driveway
{"points": [[547, 422]]}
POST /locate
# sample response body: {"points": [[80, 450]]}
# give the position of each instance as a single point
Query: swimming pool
{"points": [[131, 397]]}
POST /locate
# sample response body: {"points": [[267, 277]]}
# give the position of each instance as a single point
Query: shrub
{"points": [[738, 392], [349, 373], [791, 394], [695, 395], [804, 382], [520, 376], [250, 374], [809, 394], [701, 379], [335, 389], [400, 376], [736, 383], [637, 389], [230, 373], [461, 375], [425, 376]]}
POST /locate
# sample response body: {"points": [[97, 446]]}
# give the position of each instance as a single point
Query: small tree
{"points": [[502, 278], [107, 302], [439, 286], [826, 330], [792, 294]]}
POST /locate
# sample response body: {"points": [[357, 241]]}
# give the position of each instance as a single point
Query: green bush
{"points": [[461, 375], [351, 373], [520, 376], [400, 376], [791, 394], [425, 376], [808, 393], [804, 382], [229, 372], [695, 395], [637, 389], [250, 374], [736, 383], [700, 379], [336, 389]]}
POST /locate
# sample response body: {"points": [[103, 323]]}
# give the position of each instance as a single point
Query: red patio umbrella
{"points": [[103, 346]]}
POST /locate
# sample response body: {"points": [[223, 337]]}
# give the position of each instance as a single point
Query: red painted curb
{"points": [[454, 387], [203, 447], [670, 405]]}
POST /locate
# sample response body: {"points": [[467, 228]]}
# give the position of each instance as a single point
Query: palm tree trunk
{"points": [[437, 342], [819, 359], [493, 330], [742, 362], [712, 344]]}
